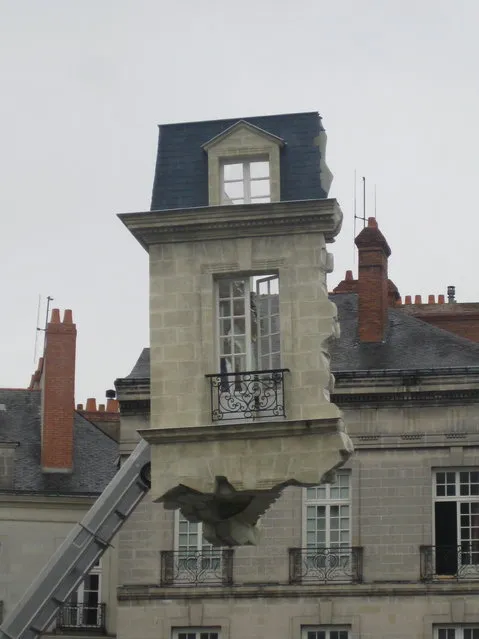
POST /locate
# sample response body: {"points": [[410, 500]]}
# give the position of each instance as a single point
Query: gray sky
{"points": [[84, 85]]}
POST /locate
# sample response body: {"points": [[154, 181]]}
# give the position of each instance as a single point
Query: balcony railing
{"points": [[325, 565], [458, 562], [82, 617], [191, 568], [248, 395]]}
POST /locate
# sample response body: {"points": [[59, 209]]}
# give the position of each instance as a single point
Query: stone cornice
{"points": [[247, 430], [239, 221], [275, 591], [39, 500], [368, 398]]}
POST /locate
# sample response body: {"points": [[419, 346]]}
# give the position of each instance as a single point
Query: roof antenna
{"points": [[36, 331], [363, 216], [355, 216], [44, 330]]}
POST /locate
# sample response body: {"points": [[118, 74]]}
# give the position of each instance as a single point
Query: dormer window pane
{"points": [[233, 171], [234, 190], [245, 182], [259, 188], [259, 170]]}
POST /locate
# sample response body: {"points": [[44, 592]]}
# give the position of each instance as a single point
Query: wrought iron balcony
{"points": [[248, 395], [458, 562], [75, 616], [324, 565], [191, 568]]}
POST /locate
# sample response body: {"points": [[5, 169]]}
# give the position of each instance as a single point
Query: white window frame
{"points": [[328, 501], [79, 596], [456, 497], [328, 630], [458, 631], [246, 180], [210, 556], [176, 632], [252, 359], [337, 558]]}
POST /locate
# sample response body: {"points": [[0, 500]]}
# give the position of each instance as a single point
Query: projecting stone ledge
{"points": [[228, 476]]}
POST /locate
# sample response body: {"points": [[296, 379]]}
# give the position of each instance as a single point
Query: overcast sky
{"points": [[85, 83]]}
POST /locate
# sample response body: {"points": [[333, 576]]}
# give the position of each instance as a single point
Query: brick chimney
{"points": [[373, 253], [58, 393]]}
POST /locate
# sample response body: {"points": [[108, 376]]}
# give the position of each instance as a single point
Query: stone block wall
{"points": [[182, 322]]}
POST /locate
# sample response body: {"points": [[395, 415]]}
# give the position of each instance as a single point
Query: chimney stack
{"points": [[373, 253], [58, 393]]}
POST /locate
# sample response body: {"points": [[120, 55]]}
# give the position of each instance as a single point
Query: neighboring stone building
{"points": [[53, 465], [390, 550]]}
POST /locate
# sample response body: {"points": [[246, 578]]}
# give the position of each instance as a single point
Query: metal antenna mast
{"points": [[44, 330]]}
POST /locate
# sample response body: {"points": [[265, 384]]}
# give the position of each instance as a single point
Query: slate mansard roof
{"points": [[410, 344], [181, 175], [94, 459]]}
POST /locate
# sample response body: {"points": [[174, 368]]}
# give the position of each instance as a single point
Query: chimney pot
{"points": [[91, 405], [101, 408], [112, 405], [79, 406], [349, 276], [441, 299], [67, 316], [372, 223], [417, 299], [408, 299], [431, 299], [55, 317]]}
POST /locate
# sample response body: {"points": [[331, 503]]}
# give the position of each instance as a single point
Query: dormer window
{"points": [[243, 165], [245, 181]]}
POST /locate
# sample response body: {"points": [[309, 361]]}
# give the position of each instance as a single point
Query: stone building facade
{"points": [[388, 545]]}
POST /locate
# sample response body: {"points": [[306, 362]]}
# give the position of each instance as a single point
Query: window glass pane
{"points": [[92, 582], [238, 288], [225, 327], [225, 308], [259, 169], [225, 346], [239, 344], [234, 189], [238, 307], [259, 188], [224, 288], [233, 171], [240, 326]]}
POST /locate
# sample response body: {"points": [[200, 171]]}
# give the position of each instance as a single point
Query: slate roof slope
{"points": [[410, 344], [95, 454], [141, 370], [181, 174]]}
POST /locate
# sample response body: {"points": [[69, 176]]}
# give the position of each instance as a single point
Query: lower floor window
{"points": [[457, 632], [196, 633], [320, 632]]}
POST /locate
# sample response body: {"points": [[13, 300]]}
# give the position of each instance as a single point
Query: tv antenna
{"points": [[43, 330], [356, 216]]}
